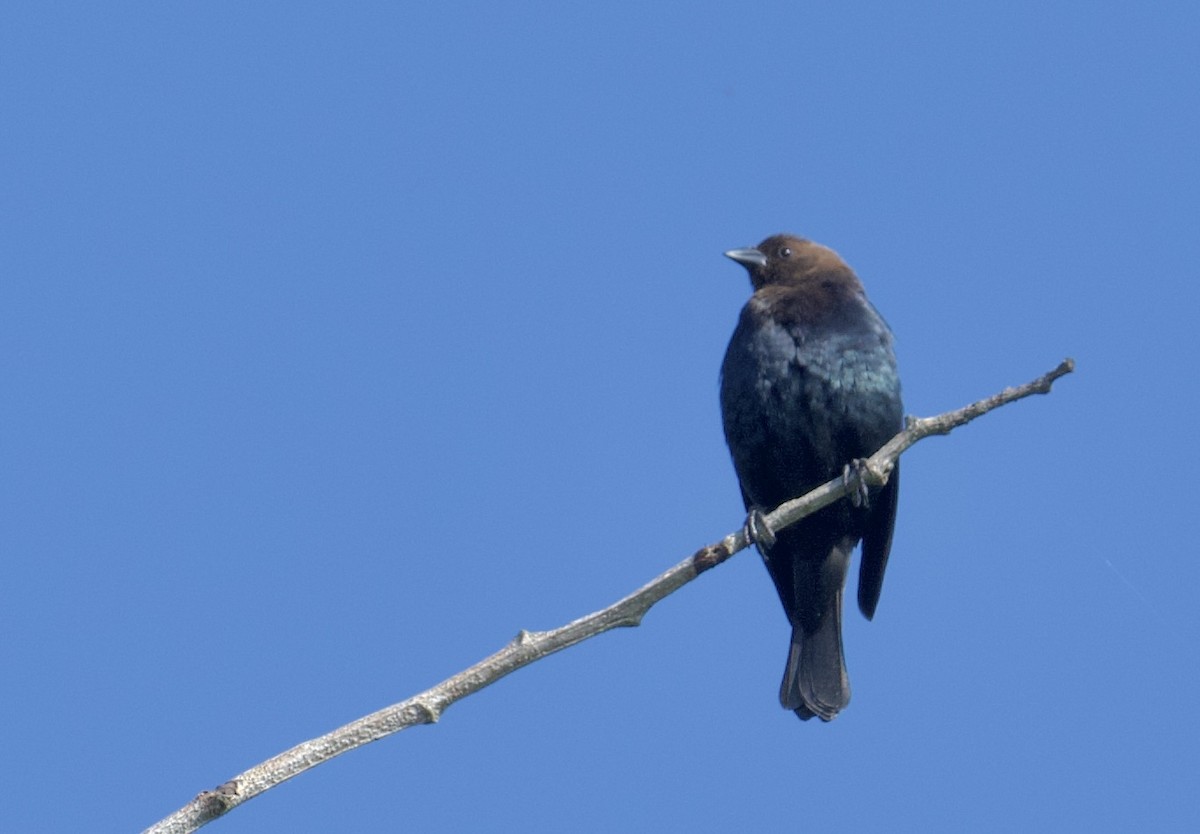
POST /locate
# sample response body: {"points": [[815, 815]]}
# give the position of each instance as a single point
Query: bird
{"points": [[810, 387]]}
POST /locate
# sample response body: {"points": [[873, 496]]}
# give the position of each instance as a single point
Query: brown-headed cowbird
{"points": [[809, 386]]}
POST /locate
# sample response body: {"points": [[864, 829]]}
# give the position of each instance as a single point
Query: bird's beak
{"points": [[749, 258]]}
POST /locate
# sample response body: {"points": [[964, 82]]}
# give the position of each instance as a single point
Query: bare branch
{"points": [[529, 646]]}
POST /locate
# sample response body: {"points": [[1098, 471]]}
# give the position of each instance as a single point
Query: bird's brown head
{"points": [[788, 260]]}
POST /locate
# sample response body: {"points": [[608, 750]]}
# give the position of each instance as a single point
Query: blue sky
{"points": [[340, 343]]}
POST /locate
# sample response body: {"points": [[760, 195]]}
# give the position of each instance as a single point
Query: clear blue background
{"points": [[340, 342]]}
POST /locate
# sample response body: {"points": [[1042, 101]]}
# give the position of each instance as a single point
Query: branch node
{"points": [[429, 713], [711, 556], [877, 473], [631, 621], [217, 802]]}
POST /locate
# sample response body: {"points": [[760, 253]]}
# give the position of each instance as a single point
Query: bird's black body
{"points": [[808, 385]]}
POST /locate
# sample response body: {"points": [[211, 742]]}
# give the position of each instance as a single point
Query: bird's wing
{"points": [[877, 543]]}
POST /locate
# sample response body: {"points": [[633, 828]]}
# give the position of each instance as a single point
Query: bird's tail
{"points": [[815, 680]]}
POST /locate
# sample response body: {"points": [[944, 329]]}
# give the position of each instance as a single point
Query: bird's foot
{"points": [[759, 532], [854, 477]]}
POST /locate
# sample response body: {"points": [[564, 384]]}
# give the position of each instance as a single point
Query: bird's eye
{"points": [[785, 252]]}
